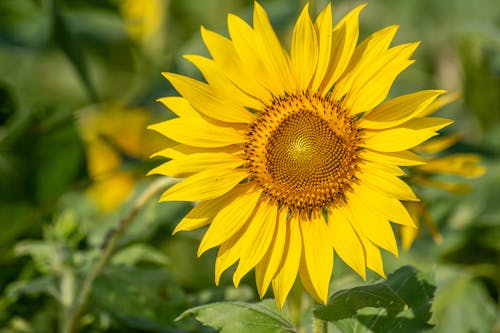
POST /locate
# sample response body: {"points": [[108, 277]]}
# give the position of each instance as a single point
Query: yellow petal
{"points": [[396, 139], [228, 254], [372, 225], [317, 249], [364, 56], [102, 159], [457, 164], [391, 208], [453, 188], [323, 26], [199, 133], [439, 103], [373, 257], [287, 272], [227, 59], [305, 278], [421, 215], [256, 240], [387, 185], [427, 123], [109, 192], [204, 99], [391, 169], [404, 158], [439, 144], [345, 240], [194, 163], [344, 39], [182, 150], [231, 218], [203, 213], [180, 106], [375, 81], [244, 42], [105, 123], [206, 185], [274, 56], [304, 50], [398, 110], [221, 84], [266, 269], [372, 253], [408, 234]]}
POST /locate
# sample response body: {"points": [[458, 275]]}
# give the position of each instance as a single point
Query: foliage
{"points": [[401, 303], [228, 317]]}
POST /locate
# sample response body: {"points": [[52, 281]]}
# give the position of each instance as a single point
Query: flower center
{"points": [[302, 150]]}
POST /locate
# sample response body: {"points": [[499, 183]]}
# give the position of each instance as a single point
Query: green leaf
{"points": [[400, 304], [43, 285], [228, 317], [44, 254], [346, 303], [136, 253], [139, 298]]}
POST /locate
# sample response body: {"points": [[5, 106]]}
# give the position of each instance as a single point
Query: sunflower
{"points": [[291, 155]]}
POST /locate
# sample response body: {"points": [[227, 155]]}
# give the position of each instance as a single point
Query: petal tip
{"points": [[176, 230], [358, 9], [200, 251]]}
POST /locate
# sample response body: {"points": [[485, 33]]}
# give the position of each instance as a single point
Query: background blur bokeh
{"points": [[78, 84]]}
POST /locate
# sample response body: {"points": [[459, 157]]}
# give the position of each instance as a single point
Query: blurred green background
{"points": [[78, 84]]}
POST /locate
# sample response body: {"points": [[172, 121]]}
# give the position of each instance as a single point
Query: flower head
{"points": [[292, 156]]}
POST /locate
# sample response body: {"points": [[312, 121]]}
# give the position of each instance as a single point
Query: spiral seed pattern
{"points": [[302, 149]]}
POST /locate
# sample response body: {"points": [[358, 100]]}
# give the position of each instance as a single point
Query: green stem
{"points": [[71, 322], [319, 326]]}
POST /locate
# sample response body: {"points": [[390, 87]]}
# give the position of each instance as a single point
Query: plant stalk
{"points": [[71, 322], [319, 325]]}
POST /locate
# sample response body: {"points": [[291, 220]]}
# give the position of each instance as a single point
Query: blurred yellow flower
{"points": [[459, 164], [144, 20], [102, 129], [290, 156]]}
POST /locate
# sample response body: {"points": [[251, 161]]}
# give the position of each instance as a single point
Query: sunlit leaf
{"points": [[45, 255], [400, 304], [230, 317], [346, 303], [137, 253]]}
